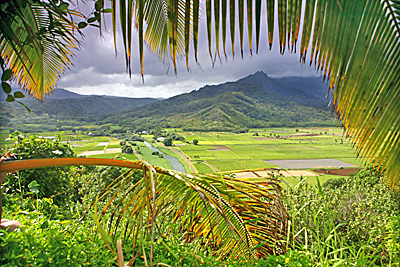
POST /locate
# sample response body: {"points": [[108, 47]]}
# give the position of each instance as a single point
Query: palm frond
{"points": [[36, 40], [356, 45], [232, 216], [235, 217]]}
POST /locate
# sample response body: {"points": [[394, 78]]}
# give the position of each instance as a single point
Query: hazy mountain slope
{"points": [[311, 85], [254, 101], [71, 106], [87, 106], [301, 93], [60, 93]]}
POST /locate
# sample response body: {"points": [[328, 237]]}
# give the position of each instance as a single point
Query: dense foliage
{"points": [[353, 221], [49, 182], [347, 220]]}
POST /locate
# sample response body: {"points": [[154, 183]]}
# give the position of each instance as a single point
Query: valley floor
{"points": [[308, 149]]}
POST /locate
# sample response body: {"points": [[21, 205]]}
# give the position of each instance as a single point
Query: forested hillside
{"points": [[254, 101]]}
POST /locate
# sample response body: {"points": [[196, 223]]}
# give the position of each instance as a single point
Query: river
{"points": [[176, 165]]}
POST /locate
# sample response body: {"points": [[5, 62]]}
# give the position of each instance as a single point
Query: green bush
{"points": [[350, 216], [334, 183], [393, 237], [46, 242], [52, 182], [127, 149], [168, 141]]}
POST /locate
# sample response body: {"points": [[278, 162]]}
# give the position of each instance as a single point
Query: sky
{"points": [[97, 70]]}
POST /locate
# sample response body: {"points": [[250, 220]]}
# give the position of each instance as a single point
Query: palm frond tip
{"points": [[231, 216]]}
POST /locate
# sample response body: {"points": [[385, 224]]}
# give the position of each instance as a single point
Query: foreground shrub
{"points": [[346, 220], [50, 182], [46, 242]]}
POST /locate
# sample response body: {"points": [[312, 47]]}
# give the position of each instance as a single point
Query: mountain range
{"points": [[254, 101], [65, 104]]}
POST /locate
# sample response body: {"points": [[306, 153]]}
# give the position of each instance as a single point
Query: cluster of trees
{"points": [[49, 182], [174, 135], [127, 149], [156, 153], [128, 136]]}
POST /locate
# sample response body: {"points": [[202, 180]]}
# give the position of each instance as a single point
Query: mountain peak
{"points": [[259, 75], [260, 72]]}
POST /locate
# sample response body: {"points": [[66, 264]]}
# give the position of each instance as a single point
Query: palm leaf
{"points": [[235, 217], [36, 40], [231, 216], [356, 45]]}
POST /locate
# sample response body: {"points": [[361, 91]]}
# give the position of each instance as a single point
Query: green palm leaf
{"points": [[235, 217], [356, 45], [36, 41]]}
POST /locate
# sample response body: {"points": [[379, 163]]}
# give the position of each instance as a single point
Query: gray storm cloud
{"points": [[97, 69]]}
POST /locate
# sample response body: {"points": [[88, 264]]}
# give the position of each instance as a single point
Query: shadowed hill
{"points": [[254, 101]]}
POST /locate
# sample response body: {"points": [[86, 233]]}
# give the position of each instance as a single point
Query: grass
{"points": [[202, 167], [152, 159], [195, 148], [205, 153], [112, 156], [230, 155], [96, 148], [114, 146], [226, 165], [256, 164], [86, 147], [102, 139], [311, 180]]}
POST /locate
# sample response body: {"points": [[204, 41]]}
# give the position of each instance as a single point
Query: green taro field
{"points": [[224, 151], [247, 151]]}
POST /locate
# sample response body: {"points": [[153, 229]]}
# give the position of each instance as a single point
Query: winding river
{"points": [[176, 165]]}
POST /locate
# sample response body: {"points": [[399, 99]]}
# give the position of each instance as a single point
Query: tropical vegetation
{"points": [[345, 221], [354, 43]]}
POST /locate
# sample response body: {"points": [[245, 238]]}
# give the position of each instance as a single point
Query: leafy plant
{"points": [[50, 182], [43, 242], [393, 237], [36, 39], [234, 218], [345, 222]]}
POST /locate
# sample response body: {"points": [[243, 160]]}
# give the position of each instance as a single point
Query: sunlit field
{"points": [[224, 151]]}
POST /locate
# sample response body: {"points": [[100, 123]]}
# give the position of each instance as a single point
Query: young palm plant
{"points": [[235, 218]]}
